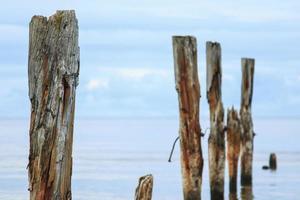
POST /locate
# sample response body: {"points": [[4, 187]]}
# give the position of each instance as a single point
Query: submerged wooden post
{"points": [[246, 121], [188, 88], [216, 142], [233, 147], [144, 188], [273, 161], [53, 70]]}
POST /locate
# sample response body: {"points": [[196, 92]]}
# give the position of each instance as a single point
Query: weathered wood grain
{"points": [[188, 88], [144, 188], [216, 141], [246, 121], [233, 147], [53, 69]]}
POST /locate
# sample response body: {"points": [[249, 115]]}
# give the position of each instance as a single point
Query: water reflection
{"points": [[233, 196], [246, 193]]}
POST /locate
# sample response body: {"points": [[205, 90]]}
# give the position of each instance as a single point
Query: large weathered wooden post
{"points": [[53, 70], [246, 121], [216, 142], [144, 188], [188, 88], [233, 147]]}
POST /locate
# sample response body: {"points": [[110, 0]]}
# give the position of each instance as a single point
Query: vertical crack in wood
{"points": [[216, 141], [53, 70], [188, 88]]}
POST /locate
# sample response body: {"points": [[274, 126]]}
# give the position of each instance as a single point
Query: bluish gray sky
{"points": [[126, 53]]}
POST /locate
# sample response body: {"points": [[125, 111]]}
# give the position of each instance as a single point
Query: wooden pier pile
{"points": [[53, 70], [238, 130]]}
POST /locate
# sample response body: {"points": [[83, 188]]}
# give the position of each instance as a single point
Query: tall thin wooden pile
{"points": [[188, 88], [216, 141], [246, 121]]}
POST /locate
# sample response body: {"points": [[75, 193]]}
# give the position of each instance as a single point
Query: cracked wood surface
{"points": [[216, 141], [188, 88], [53, 69], [144, 188], [233, 147], [246, 121]]}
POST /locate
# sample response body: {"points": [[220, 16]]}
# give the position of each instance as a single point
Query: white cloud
{"points": [[112, 35], [254, 13], [11, 34], [294, 99], [140, 73], [125, 36], [135, 73], [228, 77], [94, 84], [291, 81]]}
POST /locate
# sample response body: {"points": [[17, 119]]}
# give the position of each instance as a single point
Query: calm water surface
{"points": [[110, 155]]}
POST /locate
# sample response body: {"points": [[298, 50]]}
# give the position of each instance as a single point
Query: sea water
{"points": [[109, 155]]}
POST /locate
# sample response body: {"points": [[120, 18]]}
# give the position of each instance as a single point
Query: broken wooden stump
{"points": [[246, 121], [273, 161], [53, 70], [144, 188], [233, 147], [188, 88], [216, 142]]}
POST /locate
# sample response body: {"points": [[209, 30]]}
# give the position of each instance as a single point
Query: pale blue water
{"points": [[110, 156]]}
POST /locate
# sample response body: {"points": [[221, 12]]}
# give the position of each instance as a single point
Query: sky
{"points": [[127, 68]]}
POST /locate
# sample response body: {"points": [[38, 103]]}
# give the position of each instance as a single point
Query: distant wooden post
{"points": [[233, 147], [273, 161], [216, 143], [246, 121], [188, 88], [53, 71], [144, 188]]}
